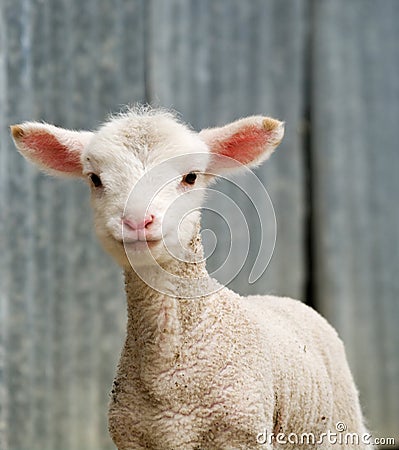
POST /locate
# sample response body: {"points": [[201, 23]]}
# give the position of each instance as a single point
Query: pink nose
{"points": [[138, 225]]}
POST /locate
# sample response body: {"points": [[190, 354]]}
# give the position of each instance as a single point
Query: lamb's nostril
{"points": [[148, 220], [138, 225]]}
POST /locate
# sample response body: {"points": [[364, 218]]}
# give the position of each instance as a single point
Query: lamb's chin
{"points": [[144, 253]]}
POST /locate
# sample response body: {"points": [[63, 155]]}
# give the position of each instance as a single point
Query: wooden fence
{"points": [[329, 68]]}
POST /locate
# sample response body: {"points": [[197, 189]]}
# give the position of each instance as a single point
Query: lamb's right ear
{"points": [[55, 150]]}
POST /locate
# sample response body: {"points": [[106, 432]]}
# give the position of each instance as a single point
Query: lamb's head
{"points": [[148, 174]]}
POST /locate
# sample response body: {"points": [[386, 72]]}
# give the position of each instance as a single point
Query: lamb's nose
{"points": [[138, 225]]}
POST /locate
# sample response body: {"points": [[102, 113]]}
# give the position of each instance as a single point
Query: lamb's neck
{"points": [[164, 303]]}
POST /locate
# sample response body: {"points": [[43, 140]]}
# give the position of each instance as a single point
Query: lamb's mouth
{"points": [[138, 245]]}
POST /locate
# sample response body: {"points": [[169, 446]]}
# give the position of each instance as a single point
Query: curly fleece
{"points": [[214, 372]]}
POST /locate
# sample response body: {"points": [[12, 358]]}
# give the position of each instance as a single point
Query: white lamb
{"points": [[202, 367]]}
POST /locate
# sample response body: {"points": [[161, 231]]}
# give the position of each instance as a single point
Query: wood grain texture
{"points": [[356, 186], [4, 260]]}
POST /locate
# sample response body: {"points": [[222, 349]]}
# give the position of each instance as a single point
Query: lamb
{"points": [[202, 367]]}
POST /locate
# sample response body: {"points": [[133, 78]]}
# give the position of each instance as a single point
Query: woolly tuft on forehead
{"points": [[143, 119], [144, 129]]}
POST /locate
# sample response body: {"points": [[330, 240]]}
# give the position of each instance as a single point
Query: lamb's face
{"points": [[148, 174], [147, 177]]}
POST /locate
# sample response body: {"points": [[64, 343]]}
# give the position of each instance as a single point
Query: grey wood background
{"points": [[329, 68]]}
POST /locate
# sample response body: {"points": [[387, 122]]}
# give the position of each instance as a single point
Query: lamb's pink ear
{"points": [[248, 142], [55, 150]]}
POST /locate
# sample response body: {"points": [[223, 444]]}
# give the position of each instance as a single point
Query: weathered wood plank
{"points": [[4, 266], [216, 61], [42, 320], [356, 187], [19, 240]]}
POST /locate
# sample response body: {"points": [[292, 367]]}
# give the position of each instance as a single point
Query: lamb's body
{"points": [[216, 372], [202, 368]]}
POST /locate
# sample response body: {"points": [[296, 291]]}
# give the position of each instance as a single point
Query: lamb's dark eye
{"points": [[96, 180], [190, 178]]}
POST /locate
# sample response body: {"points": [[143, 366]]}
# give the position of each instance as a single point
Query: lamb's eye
{"points": [[190, 178], [96, 180]]}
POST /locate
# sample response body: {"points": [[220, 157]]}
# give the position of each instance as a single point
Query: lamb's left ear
{"points": [[55, 150], [248, 142]]}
